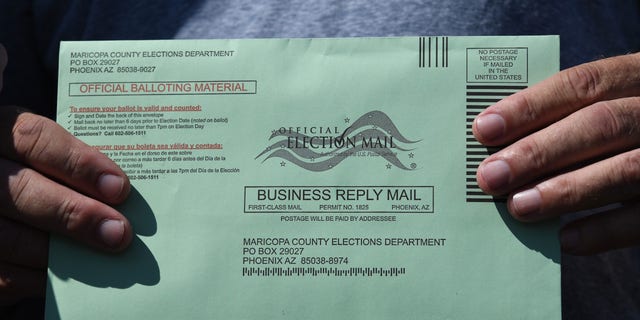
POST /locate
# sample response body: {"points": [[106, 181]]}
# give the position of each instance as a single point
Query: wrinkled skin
{"points": [[51, 182], [571, 144]]}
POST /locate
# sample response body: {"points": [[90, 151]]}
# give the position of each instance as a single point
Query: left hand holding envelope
{"points": [[51, 182]]}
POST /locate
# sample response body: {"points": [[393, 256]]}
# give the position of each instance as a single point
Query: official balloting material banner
{"points": [[303, 179]]}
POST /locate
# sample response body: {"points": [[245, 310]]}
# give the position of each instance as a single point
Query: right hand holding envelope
{"points": [[51, 182], [572, 143]]}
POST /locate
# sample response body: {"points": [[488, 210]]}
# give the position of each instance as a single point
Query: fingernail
{"points": [[111, 232], [490, 127], [110, 185], [526, 203], [569, 240], [496, 174]]}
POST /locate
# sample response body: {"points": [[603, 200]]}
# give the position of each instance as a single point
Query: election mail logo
{"points": [[321, 148]]}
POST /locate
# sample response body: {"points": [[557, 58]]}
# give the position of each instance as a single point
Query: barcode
{"points": [[479, 97], [433, 52], [326, 272]]}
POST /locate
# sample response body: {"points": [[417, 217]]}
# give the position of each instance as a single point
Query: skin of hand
{"points": [[51, 182], [572, 143]]}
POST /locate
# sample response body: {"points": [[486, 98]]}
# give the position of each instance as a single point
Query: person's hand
{"points": [[572, 144], [51, 181]]}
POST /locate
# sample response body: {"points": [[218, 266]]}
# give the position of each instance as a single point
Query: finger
{"points": [[17, 283], [23, 245], [45, 146], [608, 181], [557, 97], [36, 200], [603, 128], [602, 232]]}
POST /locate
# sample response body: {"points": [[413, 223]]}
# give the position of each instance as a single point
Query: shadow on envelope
{"points": [[51, 310], [136, 265], [530, 234]]}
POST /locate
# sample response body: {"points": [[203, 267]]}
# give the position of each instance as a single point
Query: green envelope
{"points": [[303, 179]]}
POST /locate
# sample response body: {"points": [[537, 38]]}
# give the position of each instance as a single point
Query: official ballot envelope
{"points": [[303, 179]]}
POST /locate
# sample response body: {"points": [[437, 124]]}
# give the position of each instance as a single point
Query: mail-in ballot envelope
{"points": [[303, 179]]}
